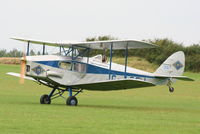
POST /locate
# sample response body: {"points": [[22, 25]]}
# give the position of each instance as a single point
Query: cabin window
{"points": [[80, 67], [65, 65], [27, 68]]}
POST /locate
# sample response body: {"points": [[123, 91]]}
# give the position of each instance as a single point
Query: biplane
{"points": [[72, 70]]}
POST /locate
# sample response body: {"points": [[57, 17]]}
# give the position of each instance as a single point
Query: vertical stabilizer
{"points": [[173, 66]]}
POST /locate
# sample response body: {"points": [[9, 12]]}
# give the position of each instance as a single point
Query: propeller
{"points": [[23, 67]]}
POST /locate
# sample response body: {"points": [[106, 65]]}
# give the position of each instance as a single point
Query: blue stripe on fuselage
{"points": [[93, 69], [50, 63]]}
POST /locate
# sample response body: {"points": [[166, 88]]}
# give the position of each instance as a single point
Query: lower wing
{"points": [[103, 85], [114, 85]]}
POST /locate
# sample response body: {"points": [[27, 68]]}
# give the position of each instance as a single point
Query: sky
{"points": [[76, 20]]}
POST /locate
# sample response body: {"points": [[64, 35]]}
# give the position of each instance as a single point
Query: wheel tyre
{"points": [[44, 99], [171, 89], [72, 101]]}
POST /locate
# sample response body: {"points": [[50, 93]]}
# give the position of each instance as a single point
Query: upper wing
{"points": [[117, 44], [114, 85], [175, 77]]}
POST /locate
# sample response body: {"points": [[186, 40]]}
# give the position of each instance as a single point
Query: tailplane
{"points": [[173, 66]]}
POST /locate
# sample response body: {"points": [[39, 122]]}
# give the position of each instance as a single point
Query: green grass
{"points": [[141, 111]]}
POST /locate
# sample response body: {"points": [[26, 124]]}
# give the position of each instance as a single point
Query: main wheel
{"points": [[44, 99], [72, 101], [171, 89]]}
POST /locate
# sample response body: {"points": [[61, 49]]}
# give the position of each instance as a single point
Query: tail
{"points": [[173, 66]]}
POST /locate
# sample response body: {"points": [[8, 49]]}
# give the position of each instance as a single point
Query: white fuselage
{"points": [[63, 71]]}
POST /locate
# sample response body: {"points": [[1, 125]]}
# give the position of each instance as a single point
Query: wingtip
{"points": [[190, 79], [15, 38]]}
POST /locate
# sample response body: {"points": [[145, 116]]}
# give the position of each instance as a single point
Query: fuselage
{"points": [[64, 71]]}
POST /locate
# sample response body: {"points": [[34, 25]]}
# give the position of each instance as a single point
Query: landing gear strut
{"points": [[70, 101]]}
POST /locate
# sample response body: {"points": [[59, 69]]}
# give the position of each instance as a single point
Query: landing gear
{"points": [[169, 84], [70, 101], [171, 89], [44, 99]]}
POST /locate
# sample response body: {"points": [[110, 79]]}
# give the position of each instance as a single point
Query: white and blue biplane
{"points": [[75, 70]]}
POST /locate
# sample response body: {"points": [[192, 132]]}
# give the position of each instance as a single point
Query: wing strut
{"points": [[43, 51], [111, 47], [28, 47], [126, 59]]}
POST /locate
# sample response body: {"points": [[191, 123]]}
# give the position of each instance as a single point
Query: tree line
{"points": [[156, 55], [168, 47], [16, 53], [11, 53]]}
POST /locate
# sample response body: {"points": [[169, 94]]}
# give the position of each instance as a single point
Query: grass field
{"points": [[141, 111]]}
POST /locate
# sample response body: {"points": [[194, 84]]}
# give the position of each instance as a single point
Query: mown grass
{"points": [[142, 111]]}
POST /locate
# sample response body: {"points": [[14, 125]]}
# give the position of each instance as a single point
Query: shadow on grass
{"points": [[114, 107], [135, 108]]}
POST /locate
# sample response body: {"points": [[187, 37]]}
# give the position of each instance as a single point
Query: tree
{"points": [[3, 53]]}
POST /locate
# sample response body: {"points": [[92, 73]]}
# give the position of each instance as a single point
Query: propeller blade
{"points": [[23, 66]]}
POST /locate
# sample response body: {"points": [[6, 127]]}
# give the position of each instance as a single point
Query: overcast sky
{"points": [[75, 20]]}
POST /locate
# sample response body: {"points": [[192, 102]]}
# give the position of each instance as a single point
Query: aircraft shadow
{"points": [[130, 108], [141, 108]]}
